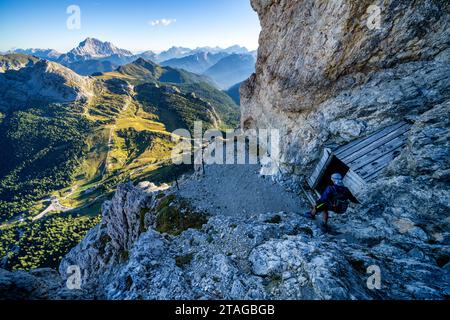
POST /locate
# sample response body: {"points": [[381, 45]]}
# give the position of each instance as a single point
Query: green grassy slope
{"points": [[141, 73]]}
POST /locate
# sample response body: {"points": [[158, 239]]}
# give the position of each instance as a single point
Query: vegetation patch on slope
{"points": [[173, 216], [42, 244]]}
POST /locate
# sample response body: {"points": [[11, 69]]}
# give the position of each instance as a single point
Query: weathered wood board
{"points": [[354, 182], [320, 168], [366, 158]]}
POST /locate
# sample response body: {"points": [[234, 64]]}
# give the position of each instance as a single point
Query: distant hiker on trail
{"points": [[335, 198]]}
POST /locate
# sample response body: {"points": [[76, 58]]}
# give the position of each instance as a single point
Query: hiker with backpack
{"points": [[335, 198]]}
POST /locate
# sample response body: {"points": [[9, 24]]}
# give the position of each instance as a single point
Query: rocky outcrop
{"points": [[257, 256], [39, 284], [324, 78], [110, 242]]}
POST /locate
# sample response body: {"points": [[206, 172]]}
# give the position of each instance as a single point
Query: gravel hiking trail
{"points": [[238, 190]]}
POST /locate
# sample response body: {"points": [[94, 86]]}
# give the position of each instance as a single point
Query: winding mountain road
{"points": [[55, 206]]}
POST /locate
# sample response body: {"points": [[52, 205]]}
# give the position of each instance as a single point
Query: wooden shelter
{"points": [[360, 161]]}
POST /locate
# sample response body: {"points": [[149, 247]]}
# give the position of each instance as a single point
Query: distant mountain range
{"points": [[172, 53], [48, 54], [225, 67], [231, 70]]}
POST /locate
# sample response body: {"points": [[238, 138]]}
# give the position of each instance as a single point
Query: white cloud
{"points": [[162, 22]]}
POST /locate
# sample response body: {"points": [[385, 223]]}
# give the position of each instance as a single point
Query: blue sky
{"points": [[128, 24]]}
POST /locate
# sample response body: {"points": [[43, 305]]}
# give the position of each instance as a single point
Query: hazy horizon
{"points": [[137, 25]]}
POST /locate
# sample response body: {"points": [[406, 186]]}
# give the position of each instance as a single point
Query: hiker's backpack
{"points": [[339, 202]]}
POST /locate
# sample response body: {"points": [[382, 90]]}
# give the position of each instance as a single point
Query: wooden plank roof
{"points": [[369, 156]]}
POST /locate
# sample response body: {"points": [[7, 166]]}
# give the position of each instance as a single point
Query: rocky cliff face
{"points": [[267, 256], [40, 284], [329, 79], [324, 77]]}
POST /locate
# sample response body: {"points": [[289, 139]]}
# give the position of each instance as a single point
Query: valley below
{"points": [[88, 190]]}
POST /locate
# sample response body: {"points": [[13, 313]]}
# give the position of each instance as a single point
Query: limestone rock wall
{"points": [[324, 77]]}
